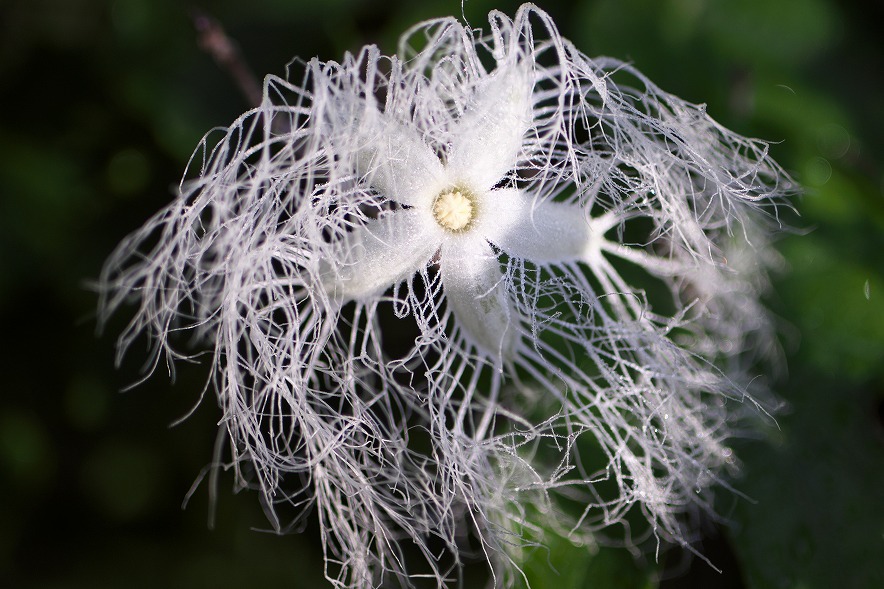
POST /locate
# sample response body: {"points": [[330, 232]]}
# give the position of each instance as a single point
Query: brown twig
{"points": [[214, 41]]}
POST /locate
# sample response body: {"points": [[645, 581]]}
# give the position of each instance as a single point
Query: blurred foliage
{"points": [[102, 102]]}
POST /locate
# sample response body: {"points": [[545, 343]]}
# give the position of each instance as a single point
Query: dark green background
{"points": [[101, 103]]}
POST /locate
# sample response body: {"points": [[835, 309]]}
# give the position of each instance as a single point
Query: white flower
{"points": [[434, 283], [456, 211]]}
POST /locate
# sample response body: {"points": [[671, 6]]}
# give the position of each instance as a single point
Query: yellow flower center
{"points": [[455, 209]]}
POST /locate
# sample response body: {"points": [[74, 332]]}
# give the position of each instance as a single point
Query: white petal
{"points": [[398, 163], [542, 231], [381, 253], [488, 137], [473, 284]]}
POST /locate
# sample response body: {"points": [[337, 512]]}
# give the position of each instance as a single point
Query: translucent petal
{"points": [[399, 164], [543, 232], [473, 284], [488, 137], [381, 253]]}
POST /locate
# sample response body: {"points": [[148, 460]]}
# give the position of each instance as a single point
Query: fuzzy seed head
{"points": [[454, 209]]}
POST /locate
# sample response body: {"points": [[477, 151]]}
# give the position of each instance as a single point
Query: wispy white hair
{"points": [[387, 413]]}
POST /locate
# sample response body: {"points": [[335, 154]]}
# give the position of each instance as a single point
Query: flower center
{"points": [[455, 209]]}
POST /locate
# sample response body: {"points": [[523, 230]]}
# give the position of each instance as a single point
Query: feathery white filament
{"points": [[577, 300]]}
